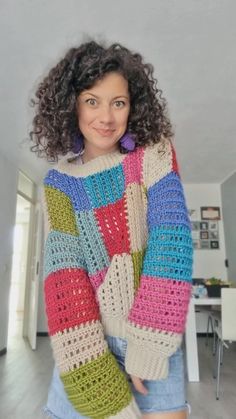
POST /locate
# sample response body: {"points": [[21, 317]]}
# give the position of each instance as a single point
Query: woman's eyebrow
{"points": [[89, 93], [97, 97], [120, 96]]}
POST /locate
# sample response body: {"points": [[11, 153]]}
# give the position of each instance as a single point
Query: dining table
{"points": [[191, 345]]}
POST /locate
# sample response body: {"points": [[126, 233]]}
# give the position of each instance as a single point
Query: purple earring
{"points": [[128, 141], [78, 144]]}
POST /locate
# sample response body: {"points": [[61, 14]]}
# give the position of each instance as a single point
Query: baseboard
{"points": [[3, 351], [42, 333]]}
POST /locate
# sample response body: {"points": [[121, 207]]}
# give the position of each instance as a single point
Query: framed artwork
{"points": [[205, 232], [195, 234], [213, 225], [210, 213], [195, 225], [205, 244], [214, 244], [196, 244], [204, 235], [204, 225], [193, 214], [213, 235]]}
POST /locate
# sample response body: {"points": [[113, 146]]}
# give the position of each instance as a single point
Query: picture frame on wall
{"points": [[210, 213], [195, 234], [195, 225], [213, 225], [196, 244], [215, 244], [204, 225], [205, 244], [213, 235], [204, 235], [205, 232], [193, 214]]}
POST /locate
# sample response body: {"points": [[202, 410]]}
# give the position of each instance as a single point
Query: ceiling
{"points": [[192, 45]]}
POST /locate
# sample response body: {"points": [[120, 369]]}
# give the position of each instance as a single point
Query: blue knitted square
{"points": [[61, 252], [166, 202], [95, 254], [105, 187]]}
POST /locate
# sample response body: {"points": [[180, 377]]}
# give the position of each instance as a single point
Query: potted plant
{"points": [[214, 285]]}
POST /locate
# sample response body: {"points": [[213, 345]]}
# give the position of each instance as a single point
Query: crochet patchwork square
{"points": [[105, 187], [112, 223]]}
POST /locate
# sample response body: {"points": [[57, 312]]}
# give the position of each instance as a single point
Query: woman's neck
{"points": [[91, 153]]}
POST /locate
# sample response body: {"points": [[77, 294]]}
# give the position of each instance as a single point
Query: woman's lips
{"points": [[105, 132]]}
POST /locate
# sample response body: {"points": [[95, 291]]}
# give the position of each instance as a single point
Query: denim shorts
{"points": [[163, 395]]}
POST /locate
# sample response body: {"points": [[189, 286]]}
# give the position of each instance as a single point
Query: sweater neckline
{"points": [[73, 165]]}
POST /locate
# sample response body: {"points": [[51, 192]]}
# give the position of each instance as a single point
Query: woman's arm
{"points": [[92, 379], [157, 317]]}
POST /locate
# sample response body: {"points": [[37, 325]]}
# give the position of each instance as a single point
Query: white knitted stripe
{"points": [[75, 347], [129, 412], [96, 165], [144, 364], [116, 293], [136, 202], [157, 341], [148, 351], [157, 162], [115, 326]]}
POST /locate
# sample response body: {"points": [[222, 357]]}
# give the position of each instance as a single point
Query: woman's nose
{"points": [[106, 115]]}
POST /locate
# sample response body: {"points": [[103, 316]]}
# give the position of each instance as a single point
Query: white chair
{"points": [[214, 316], [225, 330]]}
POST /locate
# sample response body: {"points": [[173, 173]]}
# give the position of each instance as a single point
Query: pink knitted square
{"points": [[132, 165], [161, 304], [98, 278]]}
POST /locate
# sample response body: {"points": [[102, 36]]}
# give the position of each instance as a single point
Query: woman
{"points": [[118, 252]]}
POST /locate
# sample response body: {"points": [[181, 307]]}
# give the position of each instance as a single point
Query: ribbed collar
{"points": [[73, 165]]}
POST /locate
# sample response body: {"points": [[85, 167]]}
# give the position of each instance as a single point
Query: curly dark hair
{"points": [[55, 124]]}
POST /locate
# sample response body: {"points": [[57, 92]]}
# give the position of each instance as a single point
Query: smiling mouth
{"points": [[105, 132]]}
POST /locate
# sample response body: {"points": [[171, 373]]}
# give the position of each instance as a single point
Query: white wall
{"points": [[207, 263], [228, 193], [8, 189]]}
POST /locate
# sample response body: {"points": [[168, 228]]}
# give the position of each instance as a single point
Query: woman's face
{"points": [[103, 112]]}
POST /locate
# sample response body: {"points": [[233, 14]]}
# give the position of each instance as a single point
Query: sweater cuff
{"points": [[129, 412], [143, 363]]}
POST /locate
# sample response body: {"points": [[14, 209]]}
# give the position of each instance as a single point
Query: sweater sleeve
{"points": [[157, 318], [92, 380]]}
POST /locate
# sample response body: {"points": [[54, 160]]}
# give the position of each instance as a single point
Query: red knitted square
{"points": [[70, 300], [113, 226]]}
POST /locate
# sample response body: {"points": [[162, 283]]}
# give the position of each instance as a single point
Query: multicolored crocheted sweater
{"points": [[118, 261]]}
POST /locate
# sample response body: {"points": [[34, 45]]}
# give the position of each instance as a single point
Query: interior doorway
{"points": [[21, 313], [19, 267]]}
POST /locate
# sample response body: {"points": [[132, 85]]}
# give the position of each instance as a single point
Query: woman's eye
{"points": [[91, 102], [119, 104]]}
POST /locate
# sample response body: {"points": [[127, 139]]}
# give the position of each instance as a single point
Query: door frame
{"points": [[28, 268]]}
